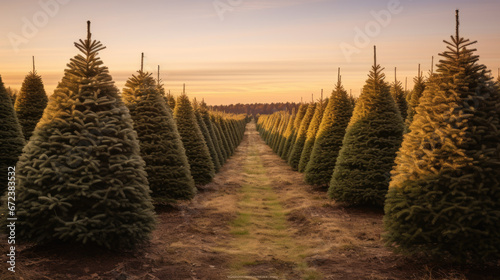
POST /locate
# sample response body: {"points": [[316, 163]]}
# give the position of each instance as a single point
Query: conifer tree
{"points": [[399, 96], [444, 195], [298, 146], [311, 133], [170, 99], [203, 109], [30, 102], [373, 136], [202, 167], [416, 93], [11, 138], [81, 178], [329, 138], [167, 166], [221, 136], [295, 128], [286, 135], [206, 135]]}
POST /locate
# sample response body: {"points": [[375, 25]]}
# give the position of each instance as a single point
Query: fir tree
{"points": [[444, 195], [202, 167], [418, 90], [399, 96], [203, 109], [298, 146], [311, 134], [373, 136], [167, 166], [206, 135], [286, 135], [81, 178], [329, 138], [30, 102], [11, 138], [170, 99], [294, 130], [220, 134]]}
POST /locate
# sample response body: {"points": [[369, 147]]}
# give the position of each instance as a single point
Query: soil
{"points": [[203, 238]]}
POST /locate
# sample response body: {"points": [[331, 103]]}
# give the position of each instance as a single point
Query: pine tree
{"points": [[30, 102], [444, 195], [399, 96], [329, 138], [167, 166], [286, 135], [298, 146], [202, 167], [206, 135], [311, 134], [373, 136], [294, 130], [203, 109], [224, 144], [418, 90], [11, 138], [170, 99], [81, 178]]}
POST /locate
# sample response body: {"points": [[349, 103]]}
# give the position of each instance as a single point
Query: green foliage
{"points": [[11, 137], [373, 136], [399, 96], [311, 134], [206, 135], [290, 143], [287, 134], [416, 93], [298, 146], [81, 178], [167, 166], [221, 136], [329, 138], [170, 100], [202, 167], [444, 196], [217, 143], [30, 103]]}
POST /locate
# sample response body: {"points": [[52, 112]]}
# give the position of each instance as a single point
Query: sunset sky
{"points": [[243, 51]]}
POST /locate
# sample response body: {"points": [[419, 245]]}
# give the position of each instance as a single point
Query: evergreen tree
{"points": [[373, 136], [399, 96], [329, 138], [203, 109], [81, 177], [170, 99], [167, 166], [311, 134], [206, 135], [295, 128], [202, 167], [286, 135], [444, 195], [221, 136], [418, 90], [30, 102], [11, 137], [298, 146]]}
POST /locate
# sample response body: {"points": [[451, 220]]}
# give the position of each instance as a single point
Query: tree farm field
{"points": [[256, 220]]}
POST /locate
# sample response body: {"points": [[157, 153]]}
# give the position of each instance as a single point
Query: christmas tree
{"points": [[444, 196], [416, 93], [11, 138], [373, 136], [202, 167], [329, 138], [167, 166], [205, 114], [287, 150], [311, 134], [206, 135], [287, 134], [30, 102], [399, 96], [81, 178], [170, 99], [298, 146]]}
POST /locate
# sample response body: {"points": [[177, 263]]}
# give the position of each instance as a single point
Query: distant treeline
{"points": [[256, 108]]}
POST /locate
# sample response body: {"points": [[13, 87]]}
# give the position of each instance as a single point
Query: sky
{"points": [[244, 51]]}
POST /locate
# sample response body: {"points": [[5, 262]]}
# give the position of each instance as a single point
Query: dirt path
{"points": [[256, 220]]}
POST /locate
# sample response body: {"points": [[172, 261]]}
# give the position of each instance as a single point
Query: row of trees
{"points": [[439, 183], [97, 159]]}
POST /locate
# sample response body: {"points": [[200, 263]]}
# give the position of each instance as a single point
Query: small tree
{"points": [[11, 137], [287, 150], [167, 166], [329, 138], [30, 102], [202, 167], [311, 134], [416, 93], [399, 96], [206, 135], [444, 195], [298, 146], [374, 134], [81, 178]]}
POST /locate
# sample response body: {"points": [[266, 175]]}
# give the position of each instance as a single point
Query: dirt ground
{"points": [[256, 220]]}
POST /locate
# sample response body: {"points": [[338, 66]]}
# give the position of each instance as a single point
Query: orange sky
{"points": [[230, 51]]}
